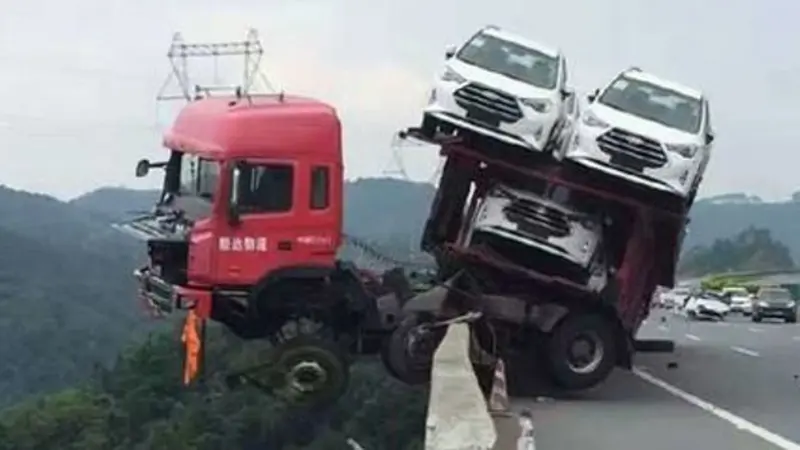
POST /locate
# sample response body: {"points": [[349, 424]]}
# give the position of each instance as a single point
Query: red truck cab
{"points": [[252, 193]]}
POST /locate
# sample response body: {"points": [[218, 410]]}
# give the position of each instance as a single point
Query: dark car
{"points": [[774, 303]]}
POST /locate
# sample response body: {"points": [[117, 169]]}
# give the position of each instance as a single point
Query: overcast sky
{"points": [[78, 79]]}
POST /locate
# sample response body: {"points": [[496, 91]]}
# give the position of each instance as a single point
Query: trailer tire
{"points": [[566, 368]]}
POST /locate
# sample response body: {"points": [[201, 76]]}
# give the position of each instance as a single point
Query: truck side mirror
{"points": [[142, 168], [566, 93], [449, 52], [709, 138], [233, 201]]}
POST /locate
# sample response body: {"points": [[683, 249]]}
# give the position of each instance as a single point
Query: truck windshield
{"points": [[655, 103], [512, 60], [188, 175]]}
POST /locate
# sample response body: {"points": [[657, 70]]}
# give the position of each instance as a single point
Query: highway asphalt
{"points": [[736, 387]]}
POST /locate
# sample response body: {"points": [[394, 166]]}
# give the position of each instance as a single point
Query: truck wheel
{"points": [[408, 353], [581, 351]]}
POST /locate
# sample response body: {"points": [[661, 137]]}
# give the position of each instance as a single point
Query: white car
{"points": [[542, 227], [674, 298], [705, 307], [502, 86], [741, 300], [646, 130]]}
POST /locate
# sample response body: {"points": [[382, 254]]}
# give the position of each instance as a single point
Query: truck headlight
{"points": [[451, 76], [685, 150], [591, 120]]}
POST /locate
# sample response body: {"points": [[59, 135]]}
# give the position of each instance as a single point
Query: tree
{"points": [[753, 249]]}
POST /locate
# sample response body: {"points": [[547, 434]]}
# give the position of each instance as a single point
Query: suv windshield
{"points": [[736, 292], [512, 60], [655, 103], [775, 294]]}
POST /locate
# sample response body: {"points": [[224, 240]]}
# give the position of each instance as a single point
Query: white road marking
{"points": [[745, 351], [739, 422], [755, 330], [692, 337]]}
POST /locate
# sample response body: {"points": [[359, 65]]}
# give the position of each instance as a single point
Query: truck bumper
{"points": [[164, 298]]}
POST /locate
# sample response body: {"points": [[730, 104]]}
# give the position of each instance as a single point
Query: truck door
{"points": [[266, 195]]}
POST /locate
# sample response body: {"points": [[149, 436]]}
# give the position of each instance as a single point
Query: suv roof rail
{"points": [[491, 27], [634, 69]]}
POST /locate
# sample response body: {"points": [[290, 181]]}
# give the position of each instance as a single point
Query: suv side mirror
{"points": [[234, 198], [449, 52], [566, 93], [591, 97], [709, 138]]}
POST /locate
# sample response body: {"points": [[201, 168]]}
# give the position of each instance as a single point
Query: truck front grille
{"points": [[485, 100], [632, 150], [538, 218]]}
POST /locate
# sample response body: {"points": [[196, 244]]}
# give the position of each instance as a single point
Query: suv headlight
{"points": [[685, 150], [591, 120], [451, 76], [538, 104], [790, 304], [763, 304]]}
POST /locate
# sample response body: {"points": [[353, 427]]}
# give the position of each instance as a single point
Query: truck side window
{"points": [[320, 177], [267, 188]]}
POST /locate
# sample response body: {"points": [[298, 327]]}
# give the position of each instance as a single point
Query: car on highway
{"points": [[740, 299], [706, 306], [503, 86], [674, 298], [774, 302]]}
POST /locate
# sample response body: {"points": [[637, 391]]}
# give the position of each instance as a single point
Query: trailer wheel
{"points": [[581, 351]]}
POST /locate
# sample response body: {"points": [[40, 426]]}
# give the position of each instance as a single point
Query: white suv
{"points": [[542, 226], [502, 86], [646, 130]]}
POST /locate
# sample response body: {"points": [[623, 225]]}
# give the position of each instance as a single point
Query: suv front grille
{"points": [[632, 150], [538, 218], [480, 99]]}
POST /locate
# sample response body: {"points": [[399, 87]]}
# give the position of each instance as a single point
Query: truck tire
{"points": [[410, 368], [581, 351]]}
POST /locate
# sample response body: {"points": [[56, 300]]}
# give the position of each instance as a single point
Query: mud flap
{"points": [[193, 337]]}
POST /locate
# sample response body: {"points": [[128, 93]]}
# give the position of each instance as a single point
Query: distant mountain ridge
{"points": [[67, 295]]}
